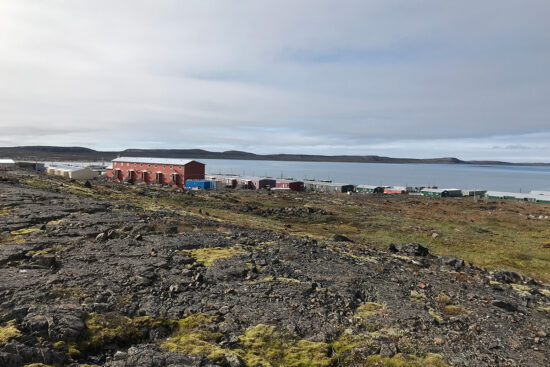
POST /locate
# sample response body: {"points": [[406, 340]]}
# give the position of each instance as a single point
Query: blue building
{"points": [[200, 184]]}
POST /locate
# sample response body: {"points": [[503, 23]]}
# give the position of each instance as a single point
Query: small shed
{"points": [[224, 181], [370, 189], [442, 193], [77, 173], [200, 184], [474, 192], [6, 163], [292, 185]]}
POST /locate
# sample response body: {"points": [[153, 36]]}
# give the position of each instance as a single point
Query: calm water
{"points": [[499, 178]]}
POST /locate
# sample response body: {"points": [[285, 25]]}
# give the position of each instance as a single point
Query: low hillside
{"points": [[118, 275]]}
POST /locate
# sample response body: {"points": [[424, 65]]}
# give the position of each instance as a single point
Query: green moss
{"points": [[349, 348], [437, 317], [23, 231], [114, 328], [207, 256], [59, 344], [287, 280], [270, 346], [368, 309], [47, 250], [271, 278], [73, 350], [69, 292], [196, 321], [9, 331], [109, 328], [400, 360], [55, 222], [417, 297], [124, 300], [193, 337]]}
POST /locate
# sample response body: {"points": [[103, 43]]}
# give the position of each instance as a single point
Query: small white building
{"points": [[468, 192], [77, 173], [6, 163]]}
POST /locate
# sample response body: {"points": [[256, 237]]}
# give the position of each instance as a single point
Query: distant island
{"points": [[82, 153]]}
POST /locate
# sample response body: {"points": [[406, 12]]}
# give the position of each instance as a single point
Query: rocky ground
{"points": [[97, 281]]}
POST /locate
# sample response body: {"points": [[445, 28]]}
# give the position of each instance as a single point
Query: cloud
{"points": [[362, 77]]}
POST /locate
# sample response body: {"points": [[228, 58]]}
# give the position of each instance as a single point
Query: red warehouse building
{"points": [[289, 184], [161, 171]]}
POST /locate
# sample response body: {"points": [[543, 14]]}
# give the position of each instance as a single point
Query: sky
{"points": [[467, 79]]}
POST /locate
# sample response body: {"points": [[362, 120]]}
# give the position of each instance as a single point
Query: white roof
{"points": [[69, 168], [172, 161], [545, 193], [6, 161], [324, 183], [440, 190], [511, 194], [286, 180], [256, 178]]}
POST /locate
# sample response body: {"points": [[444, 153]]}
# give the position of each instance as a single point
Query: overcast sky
{"points": [[469, 79]]}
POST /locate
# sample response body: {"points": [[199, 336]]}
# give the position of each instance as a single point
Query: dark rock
{"points": [[341, 238], [233, 360], [452, 262], [149, 355], [508, 277], [387, 349], [505, 305], [44, 261], [413, 249]]}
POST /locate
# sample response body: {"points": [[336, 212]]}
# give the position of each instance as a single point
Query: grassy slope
{"points": [[498, 235]]}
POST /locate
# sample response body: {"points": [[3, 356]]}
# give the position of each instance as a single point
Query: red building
{"points": [[289, 184], [396, 190], [162, 171]]}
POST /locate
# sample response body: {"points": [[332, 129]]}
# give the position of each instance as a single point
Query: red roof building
{"points": [[161, 171], [289, 184]]}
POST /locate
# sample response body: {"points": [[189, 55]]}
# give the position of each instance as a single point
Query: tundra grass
{"points": [[208, 255]]}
